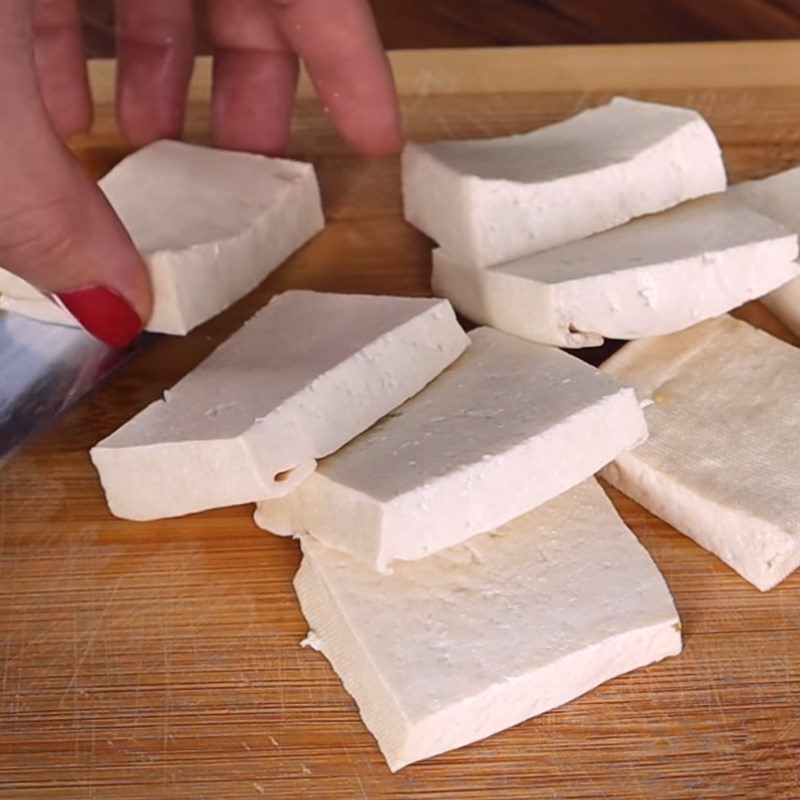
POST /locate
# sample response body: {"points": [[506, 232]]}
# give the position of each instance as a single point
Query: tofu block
{"points": [[508, 427], [304, 376], [721, 462], [19, 297], [211, 225], [777, 197], [449, 650], [655, 275], [488, 201]]}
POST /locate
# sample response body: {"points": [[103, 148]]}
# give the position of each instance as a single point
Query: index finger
{"points": [[342, 51]]}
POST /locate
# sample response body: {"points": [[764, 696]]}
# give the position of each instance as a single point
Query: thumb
{"points": [[57, 230]]}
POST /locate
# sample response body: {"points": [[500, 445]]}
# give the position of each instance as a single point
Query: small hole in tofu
{"points": [[280, 477]]}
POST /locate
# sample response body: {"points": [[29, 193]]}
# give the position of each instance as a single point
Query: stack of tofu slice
{"points": [[462, 569], [722, 405], [510, 216]]}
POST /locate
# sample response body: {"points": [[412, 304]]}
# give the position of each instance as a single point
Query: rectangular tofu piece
{"points": [[211, 225], [655, 275], [304, 376], [777, 197], [508, 427], [721, 463], [488, 201], [449, 650]]}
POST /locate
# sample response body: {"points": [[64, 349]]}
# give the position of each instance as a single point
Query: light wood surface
{"points": [[162, 660]]}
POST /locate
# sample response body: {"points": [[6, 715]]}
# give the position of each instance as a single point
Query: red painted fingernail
{"points": [[104, 313]]}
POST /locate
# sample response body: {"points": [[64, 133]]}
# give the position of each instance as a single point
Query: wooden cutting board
{"points": [[162, 660]]}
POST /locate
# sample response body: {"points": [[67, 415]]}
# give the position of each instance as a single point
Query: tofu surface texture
{"points": [[488, 201], [655, 275], [304, 376], [778, 197], [506, 428], [211, 225], [721, 464], [446, 651]]}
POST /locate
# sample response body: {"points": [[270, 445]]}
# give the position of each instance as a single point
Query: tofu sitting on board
{"points": [[488, 201], [778, 197], [655, 275], [506, 428], [446, 651], [211, 225], [721, 464], [304, 376]]}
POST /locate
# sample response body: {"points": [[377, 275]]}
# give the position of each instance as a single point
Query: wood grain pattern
{"points": [[469, 23], [161, 660]]}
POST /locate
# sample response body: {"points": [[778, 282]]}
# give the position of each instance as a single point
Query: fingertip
{"points": [[104, 313], [368, 131], [274, 147], [380, 143], [136, 286], [141, 122], [73, 122]]}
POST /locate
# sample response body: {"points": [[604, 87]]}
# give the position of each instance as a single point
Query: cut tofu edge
{"points": [[20, 297], [724, 531], [37, 308], [189, 452], [312, 510], [198, 265], [437, 471], [379, 533], [484, 218], [334, 639], [500, 708], [497, 708], [655, 275], [776, 197], [613, 425], [656, 301], [721, 437], [580, 313], [241, 188], [440, 655], [655, 360], [507, 302], [214, 275]]}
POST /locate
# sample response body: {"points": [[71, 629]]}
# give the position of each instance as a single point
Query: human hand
{"points": [[57, 230]]}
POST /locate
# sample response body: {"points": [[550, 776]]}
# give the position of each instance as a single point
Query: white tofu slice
{"points": [[508, 427], [721, 463], [300, 379], [777, 197], [446, 651], [653, 276], [488, 201], [19, 297], [211, 225]]}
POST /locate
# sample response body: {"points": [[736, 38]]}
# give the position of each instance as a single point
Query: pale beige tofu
{"points": [[211, 225], [304, 376], [487, 201], [448, 650], [655, 275], [721, 464], [778, 197], [507, 427]]}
